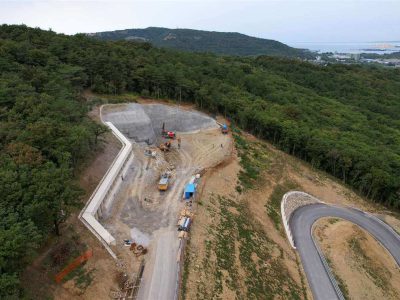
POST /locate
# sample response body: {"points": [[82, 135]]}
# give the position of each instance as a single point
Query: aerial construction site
{"points": [[150, 213], [179, 167]]}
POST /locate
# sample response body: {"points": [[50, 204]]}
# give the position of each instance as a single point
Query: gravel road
{"points": [[301, 223]]}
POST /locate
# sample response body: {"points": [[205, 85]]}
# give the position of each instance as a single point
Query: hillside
{"points": [[228, 43], [238, 232], [340, 119]]}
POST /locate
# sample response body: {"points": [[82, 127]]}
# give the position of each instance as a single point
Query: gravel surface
{"points": [[296, 200], [143, 123]]}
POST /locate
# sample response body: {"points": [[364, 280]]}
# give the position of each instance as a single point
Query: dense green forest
{"points": [[229, 43], [44, 135], [341, 119]]}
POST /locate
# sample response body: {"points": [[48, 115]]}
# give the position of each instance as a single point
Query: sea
{"points": [[365, 47]]}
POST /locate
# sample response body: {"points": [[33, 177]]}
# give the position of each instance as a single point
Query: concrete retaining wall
{"points": [[103, 196], [290, 202]]}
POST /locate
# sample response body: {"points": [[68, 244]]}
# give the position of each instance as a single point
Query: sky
{"points": [[283, 20]]}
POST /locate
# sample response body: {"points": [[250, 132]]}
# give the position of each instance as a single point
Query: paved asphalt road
{"points": [[301, 223], [159, 280]]}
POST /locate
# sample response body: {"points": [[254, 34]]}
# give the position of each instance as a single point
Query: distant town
{"points": [[389, 60]]}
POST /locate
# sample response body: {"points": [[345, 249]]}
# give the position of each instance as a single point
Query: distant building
{"points": [[341, 56], [355, 56]]}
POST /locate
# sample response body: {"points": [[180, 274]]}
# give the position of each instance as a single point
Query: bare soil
{"points": [[367, 270], [279, 173], [206, 275]]}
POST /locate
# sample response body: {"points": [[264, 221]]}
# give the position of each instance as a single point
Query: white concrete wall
{"points": [[104, 194], [290, 202]]}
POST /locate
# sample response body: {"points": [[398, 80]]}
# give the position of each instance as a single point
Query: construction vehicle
{"points": [[167, 134], [185, 212], [164, 181], [165, 146], [224, 129], [184, 224]]}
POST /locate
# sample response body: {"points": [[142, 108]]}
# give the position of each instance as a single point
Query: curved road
{"points": [[301, 223]]}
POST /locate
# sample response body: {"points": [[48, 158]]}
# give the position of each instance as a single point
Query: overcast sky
{"points": [[283, 20]]}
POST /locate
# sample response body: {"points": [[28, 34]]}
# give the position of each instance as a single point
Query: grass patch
{"points": [[342, 285], [99, 99], [273, 206], [239, 257], [378, 274], [115, 99], [333, 220], [239, 242], [302, 279], [253, 159], [82, 277], [66, 248]]}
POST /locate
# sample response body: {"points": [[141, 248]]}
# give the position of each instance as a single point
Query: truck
{"points": [[164, 181], [224, 129]]}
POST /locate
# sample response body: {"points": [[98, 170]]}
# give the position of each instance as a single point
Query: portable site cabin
{"points": [[190, 189]]}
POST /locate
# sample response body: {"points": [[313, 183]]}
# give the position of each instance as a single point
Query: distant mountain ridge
{"points": [[227, 43]]}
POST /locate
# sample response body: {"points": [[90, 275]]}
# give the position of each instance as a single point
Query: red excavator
{"points": [[167, 134]]}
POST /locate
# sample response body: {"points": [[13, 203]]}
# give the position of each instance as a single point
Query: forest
{"points": [[342, 119], [226, 43]]}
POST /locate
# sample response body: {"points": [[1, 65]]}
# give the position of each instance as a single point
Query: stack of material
{"points": [[138, 249], [181, 222], [185, 212], [182, 234]]}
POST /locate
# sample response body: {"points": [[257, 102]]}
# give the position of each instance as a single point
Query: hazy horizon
{"points": [[288, 21]]}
